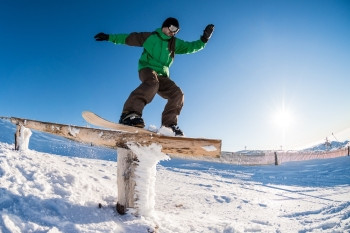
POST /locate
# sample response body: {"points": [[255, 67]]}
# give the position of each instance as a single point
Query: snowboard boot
{"points": [[176, 130], [131, 119]]}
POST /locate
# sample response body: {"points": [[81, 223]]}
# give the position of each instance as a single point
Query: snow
{"points": [[153, 128], [56, 186], [329, 146], [73, 131], [149, 157], [209, 148], [23, 140], [166, 131]]}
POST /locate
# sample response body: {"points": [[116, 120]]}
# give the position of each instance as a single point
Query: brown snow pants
{"points": [[153, 84]]}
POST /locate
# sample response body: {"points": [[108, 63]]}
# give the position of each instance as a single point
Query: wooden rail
{"points": [[177, 146]]}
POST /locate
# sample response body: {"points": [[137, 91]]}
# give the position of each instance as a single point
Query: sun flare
{"points": [[283, 118]]}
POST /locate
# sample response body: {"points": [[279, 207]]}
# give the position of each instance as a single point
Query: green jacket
{"points": [[159, 49]]}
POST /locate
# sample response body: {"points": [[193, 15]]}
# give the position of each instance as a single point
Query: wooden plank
{"points": [[179, 146]]}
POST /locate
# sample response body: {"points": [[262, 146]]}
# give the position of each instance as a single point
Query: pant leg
{"points": [[144, 93], [170, 91]]}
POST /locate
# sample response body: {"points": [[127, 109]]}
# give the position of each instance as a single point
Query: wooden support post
{"points": [[126, 164], [276, 158], [348, 150], [17, 137]]}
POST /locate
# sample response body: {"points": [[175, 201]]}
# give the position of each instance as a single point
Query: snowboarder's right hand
{"points": [[208, 31], [101, 36]]}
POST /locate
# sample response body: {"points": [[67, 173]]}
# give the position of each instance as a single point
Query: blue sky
{"points": [[275, 73]]}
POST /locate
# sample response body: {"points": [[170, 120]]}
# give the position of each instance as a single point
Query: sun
{"points": [[283, 118]]}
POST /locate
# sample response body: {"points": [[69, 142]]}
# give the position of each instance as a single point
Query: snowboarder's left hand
{"points": [[208, 31], [101, 36]]}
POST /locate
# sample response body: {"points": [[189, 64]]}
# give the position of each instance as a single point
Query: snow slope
{"points": [[59, 189]]}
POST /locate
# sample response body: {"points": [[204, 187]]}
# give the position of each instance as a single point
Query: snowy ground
{"points": [[59, 191]]}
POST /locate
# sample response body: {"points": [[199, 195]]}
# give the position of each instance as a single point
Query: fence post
{"points": [[276, 158], [126, 165], [17, 137], [348, 150]]}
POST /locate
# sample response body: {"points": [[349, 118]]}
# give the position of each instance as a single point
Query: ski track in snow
{"points": [[44, 192], [265, 208]]}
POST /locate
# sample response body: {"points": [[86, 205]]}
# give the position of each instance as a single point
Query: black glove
{"points": [[207, 33], [101, 36]]}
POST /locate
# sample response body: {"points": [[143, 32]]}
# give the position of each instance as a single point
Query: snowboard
{"points": [[96, 120]]}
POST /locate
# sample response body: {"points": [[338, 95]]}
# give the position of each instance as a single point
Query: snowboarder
{"points": [[158, 54]]}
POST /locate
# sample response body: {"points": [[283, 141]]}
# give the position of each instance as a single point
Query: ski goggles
{"points": [[173, 29]]}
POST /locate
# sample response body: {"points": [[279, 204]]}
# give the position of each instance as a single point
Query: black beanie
{"points": [[171, 21]]}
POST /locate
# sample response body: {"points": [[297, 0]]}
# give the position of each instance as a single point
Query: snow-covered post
{"points": [[136, 177], [126, 164], [22, 137]]}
